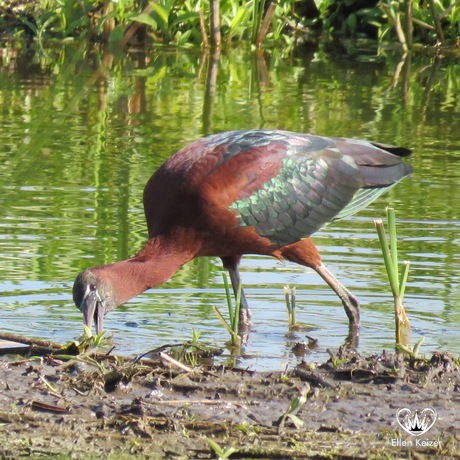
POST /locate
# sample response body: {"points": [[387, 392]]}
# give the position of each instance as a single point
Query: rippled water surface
{"points": [[82, 133]]}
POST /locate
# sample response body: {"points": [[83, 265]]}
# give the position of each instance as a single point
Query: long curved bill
{"points": [[93, 308]]}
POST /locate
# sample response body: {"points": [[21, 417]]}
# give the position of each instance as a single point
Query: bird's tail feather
{"points": [[363, 198]]}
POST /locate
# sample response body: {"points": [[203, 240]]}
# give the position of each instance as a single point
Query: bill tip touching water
{"points": [[245, 192]]}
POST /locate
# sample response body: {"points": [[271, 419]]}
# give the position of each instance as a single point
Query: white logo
{"points": [[418, 422]]}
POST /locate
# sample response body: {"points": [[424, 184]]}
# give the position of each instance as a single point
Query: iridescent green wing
{"points": [[310, 190]]}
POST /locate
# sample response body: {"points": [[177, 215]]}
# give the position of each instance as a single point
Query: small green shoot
{"points": [[233, 313], [93, 340], [397, 282], [290, 299], [222, 453], [289, 296], [294, 406], [412, 352], [87, 332], [195, 337], [335, 360], [86, 341], [189, 351], [246, 428]]}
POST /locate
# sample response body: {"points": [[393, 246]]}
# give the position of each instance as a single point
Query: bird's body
{"points": [[245, 192]]}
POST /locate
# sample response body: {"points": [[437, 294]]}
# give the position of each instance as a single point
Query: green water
{"points": [[83, 131]]}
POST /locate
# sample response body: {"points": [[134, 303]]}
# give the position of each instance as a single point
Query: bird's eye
{"points": [[92, 287]]}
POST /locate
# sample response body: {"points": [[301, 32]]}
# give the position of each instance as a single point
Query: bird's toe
{"points": [[245, 319], [352, 308]]}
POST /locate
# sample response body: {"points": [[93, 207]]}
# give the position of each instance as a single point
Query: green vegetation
{"points": [[193, 352], [259, 22], [223, 453], [430, 22], [233, 313], [289, 297], [182, 23], [434, 21], [411, 352], [294, 406], [397, 282]]}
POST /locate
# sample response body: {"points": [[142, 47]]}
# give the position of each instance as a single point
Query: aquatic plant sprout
{"points": [[233, 313], [397, 282]]}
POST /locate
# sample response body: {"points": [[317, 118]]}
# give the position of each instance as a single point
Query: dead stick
{"points": [[27, 341], [204, 36], [265, 24], [437, 23], [175, 363], [409, 31], [201, 402], [133, 28], [215, 23]]}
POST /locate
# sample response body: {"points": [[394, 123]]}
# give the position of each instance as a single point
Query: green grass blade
{"points": [[293, 306], [417, 346], [255, 20], [88, 332], [235, 338], [392, 276], [223, 320], [404, 275], [288, 304], [236, 313], [397, 283], [229, 297], [391, 217], [215, 447]]}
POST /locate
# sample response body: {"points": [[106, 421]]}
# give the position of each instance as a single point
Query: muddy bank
{"points": [[102, 406]]}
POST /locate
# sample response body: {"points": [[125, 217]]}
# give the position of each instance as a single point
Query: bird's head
{"points": [[94, 296]]}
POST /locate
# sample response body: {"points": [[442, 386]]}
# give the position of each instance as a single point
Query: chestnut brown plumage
{"points": [[245, 192]]}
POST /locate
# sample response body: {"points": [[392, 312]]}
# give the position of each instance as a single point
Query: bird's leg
{"points": [[349, 301], [245, 312], [231, 264], [305, 253]]}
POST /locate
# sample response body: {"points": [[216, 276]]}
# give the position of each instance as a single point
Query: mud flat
{"points": [[103, 406]]}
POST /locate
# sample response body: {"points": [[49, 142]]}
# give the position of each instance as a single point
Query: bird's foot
{"points": [[351, 305], [244, 325], [245, 320]]}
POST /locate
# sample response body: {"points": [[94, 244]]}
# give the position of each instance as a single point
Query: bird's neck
{"points": [[153, 265]]}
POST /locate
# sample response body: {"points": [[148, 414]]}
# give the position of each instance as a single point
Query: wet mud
{"points": [[97, 405]]}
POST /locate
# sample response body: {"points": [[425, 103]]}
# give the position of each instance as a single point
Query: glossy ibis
{"points": [[245, 192]]}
